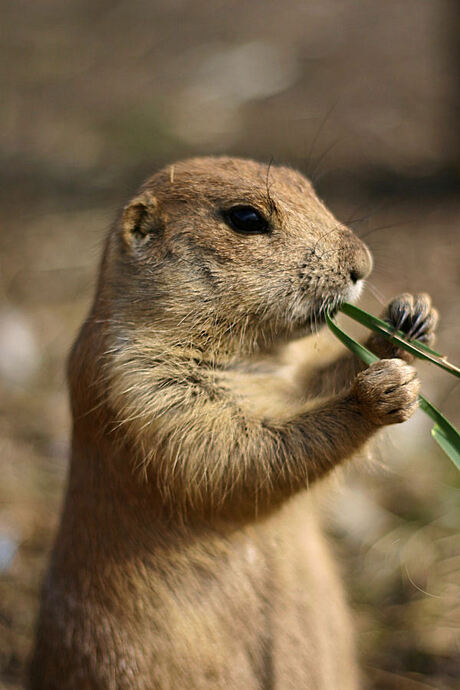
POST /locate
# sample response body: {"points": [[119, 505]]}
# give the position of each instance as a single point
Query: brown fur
{"points": [[189, 554]]}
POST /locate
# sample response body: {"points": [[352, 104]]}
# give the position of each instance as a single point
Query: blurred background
{"points": [[364, 97]]}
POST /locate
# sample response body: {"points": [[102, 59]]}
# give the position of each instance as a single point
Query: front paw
{"points": [[387, 392], [414, 316]]}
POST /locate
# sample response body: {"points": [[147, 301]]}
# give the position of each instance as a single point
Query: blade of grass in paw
{"points": [[359, 350], [445, 435], [415, 347]]}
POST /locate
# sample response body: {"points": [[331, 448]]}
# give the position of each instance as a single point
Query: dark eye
{"points": [[246, 219]]}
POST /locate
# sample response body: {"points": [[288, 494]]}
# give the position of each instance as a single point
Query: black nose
{"points": [[361, 264]]}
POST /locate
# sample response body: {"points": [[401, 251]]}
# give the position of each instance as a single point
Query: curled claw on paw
{"points": [[414, 316], [387, 392]]}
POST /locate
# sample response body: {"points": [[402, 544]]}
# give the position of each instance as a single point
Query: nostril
{"points": [[361, 265]]}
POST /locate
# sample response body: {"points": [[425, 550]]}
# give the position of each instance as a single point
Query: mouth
{"points": [[314, 318], [329, 305], [311, 315]]}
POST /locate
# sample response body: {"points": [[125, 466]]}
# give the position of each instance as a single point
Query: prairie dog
{"points": [[189, 554]]}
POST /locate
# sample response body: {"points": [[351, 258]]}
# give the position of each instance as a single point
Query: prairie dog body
{"points": [[188, 554]]}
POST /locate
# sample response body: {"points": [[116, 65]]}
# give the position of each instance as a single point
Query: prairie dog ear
{"points": [[140, 219]]}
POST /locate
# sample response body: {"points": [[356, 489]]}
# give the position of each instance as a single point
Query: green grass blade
{"points": [[443, 432], [359, 350], [415, 347], [450, 448], [368, 320]]}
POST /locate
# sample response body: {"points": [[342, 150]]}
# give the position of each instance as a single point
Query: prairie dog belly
{"points": [[277, 608]]}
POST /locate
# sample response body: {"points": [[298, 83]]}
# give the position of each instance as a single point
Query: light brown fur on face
{"points": [[189, 555]]}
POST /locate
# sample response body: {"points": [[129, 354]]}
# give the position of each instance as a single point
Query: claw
{"points": [[414, 316], [417, 325], [404, 315]]}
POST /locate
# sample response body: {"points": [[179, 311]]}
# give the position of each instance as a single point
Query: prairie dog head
{"points": [[224, 249]]}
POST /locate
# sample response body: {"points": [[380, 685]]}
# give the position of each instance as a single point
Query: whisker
{"points": [[316, 138], [390, 226], [376, 293], [314, 173]]}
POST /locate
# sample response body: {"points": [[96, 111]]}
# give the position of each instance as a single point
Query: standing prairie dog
{"points": [[189, 555]]}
